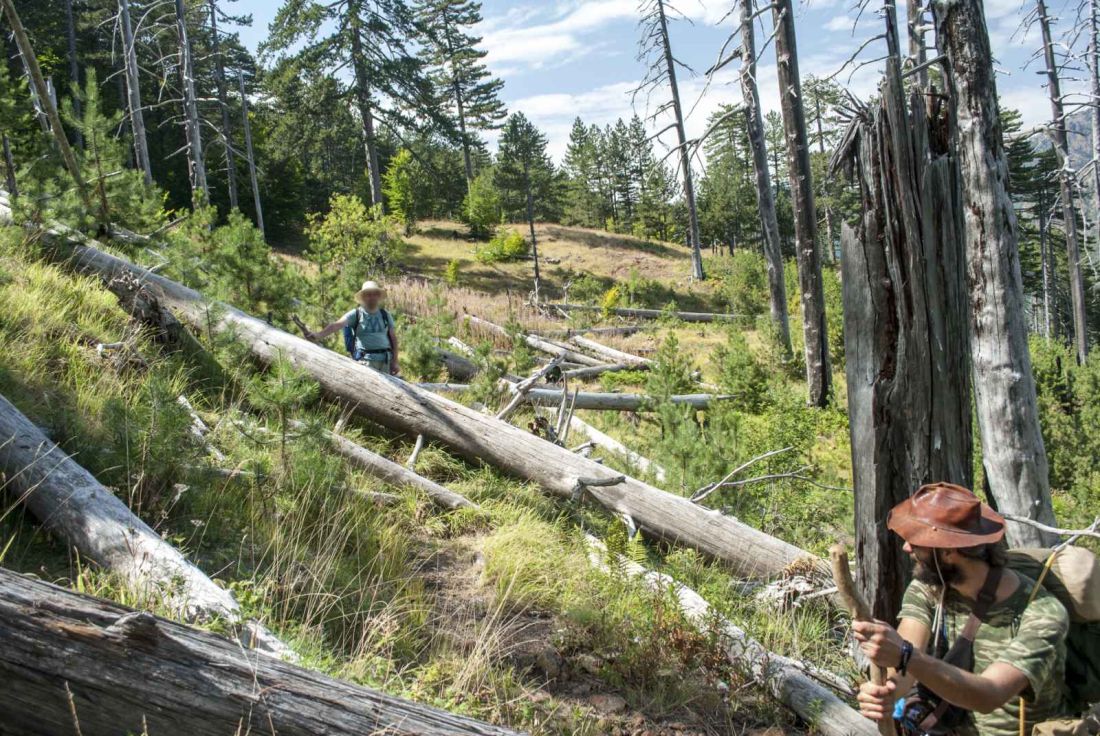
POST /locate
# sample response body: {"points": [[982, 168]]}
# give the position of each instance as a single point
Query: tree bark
{"points": [[223, 103], [363, 102], [648, 313], [694, 240], [38, 84], [403, 407], [200, 189], [1060, 140], [535, 342], [644, 465], [247, 125], [72, 504], [129, 672], [765, 195], [905, 327], [589, 400], [610, 353], [1013, 454], [531, 223], [133, 94], [814, 329]]}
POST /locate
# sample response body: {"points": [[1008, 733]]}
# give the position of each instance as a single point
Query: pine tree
{"points": [[400, 188], [460, 73], [580, 166], [727, 211]]}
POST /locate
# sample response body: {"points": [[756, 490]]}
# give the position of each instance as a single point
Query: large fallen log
{"points": [[403, 407], [609, 353], [649, 313], [69, 502], [590, 400], [613, 330], [594, 371], [71, 663], [642, 464], [536, 343], [785, 679]]}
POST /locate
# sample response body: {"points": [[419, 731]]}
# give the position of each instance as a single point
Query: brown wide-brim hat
{"points": [[944, 515], [369, 287]]}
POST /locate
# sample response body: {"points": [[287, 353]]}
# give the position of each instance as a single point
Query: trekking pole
{"points": [[859, 611]]}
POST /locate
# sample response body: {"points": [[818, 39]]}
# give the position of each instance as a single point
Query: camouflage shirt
{"points": [[1029, 636]]}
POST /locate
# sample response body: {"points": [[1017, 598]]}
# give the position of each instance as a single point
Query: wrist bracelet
{"points": [[906, 655]]}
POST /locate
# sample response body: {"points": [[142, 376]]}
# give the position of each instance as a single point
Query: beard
{"points": [[928, 572]]}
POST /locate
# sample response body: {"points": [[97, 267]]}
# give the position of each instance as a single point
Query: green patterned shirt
{"points": [[1028, 636]]}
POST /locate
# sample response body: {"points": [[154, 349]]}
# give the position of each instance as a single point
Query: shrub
{"points": [[505, 246], [452, 273], [481, 210], [746, 284], [740, 373], [672, 371], [611, 299]]}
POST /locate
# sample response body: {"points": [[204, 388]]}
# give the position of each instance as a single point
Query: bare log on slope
{"points": [[609, 353], [594, 371], [642, 464], [785, 679], [403, 407], [397, 475], [589, 400], [69, 502], [132, 672], [649, 313], [536, 343], [623, 330]]}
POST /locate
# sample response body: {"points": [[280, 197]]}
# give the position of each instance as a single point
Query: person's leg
{"points": [[382, 366]]}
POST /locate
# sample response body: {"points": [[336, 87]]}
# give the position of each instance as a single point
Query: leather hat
{"points": [[945, 515]]}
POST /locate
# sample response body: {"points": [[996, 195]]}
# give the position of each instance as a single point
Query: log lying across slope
{"points": [[609, 353], [73, 505], [136, 673], [591, 400], [403, 407], [648, 313], [536, 343]]}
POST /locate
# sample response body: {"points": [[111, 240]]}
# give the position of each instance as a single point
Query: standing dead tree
{"points": [[200, 190], [247, 125], [74, 67], [1059, 138], [814, 330], [1013, 454], [905, 326], [223, 103], [133, 92], [655, 50]]}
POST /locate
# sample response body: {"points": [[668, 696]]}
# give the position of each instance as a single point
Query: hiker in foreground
{"points": [[369, 333], [980, 647]]}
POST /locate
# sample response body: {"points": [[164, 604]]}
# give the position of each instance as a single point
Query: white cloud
{"points": [[531, 37], [841, 23]]}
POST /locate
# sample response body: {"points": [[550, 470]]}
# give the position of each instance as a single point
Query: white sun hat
{"points": [[368, 288]]}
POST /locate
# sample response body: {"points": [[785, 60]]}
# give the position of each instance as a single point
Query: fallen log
{"points": [[75, 664], [400, 406], [536, 343], [642, 464], [649, 313], [69, 502], [594, 371], [623, 330], [789, 681], [610, 353], [589, 400]]}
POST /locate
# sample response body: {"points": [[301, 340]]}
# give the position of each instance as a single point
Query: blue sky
{"points": [[563, 58]]}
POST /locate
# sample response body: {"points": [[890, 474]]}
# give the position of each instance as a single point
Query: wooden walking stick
{"points": [[859, 611]]}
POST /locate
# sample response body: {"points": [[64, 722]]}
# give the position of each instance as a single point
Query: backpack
{"points": [[349, 329], [1073, 577]]}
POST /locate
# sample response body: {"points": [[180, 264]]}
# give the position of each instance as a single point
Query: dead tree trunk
{"points": [[247, 125], [905, 326], [610, 353], [531, 224], [403, 407], [72, 659], [814, 329], [38, 84], [765, 195], [1013, 454], [694, 238], [363, 101], [648, 313], [535, 343], [1060, 140], [1094, 84], [73, 505], [200, 189], [133, 93], [223, 103], [74, 68]]}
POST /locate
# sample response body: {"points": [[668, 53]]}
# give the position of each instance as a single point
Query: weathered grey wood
{"points": [[1059, 138], [69, 502], [905, 327], [642, 464], [815, 332], [74, 70], [587, 372], [536, 343], [363, 101], [397, 405], [247, 125], [196, 163], [648, 313], [623, 330], [135, 673], [765, 195], [223, 104], [609, 353], [589, 400], [133, 93], [395, 474], [1093, 57], [1013, 454], [783, 678]]}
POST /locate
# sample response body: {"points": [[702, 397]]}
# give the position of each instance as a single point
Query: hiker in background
{"points": [[369, 333], [983, 645]]}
